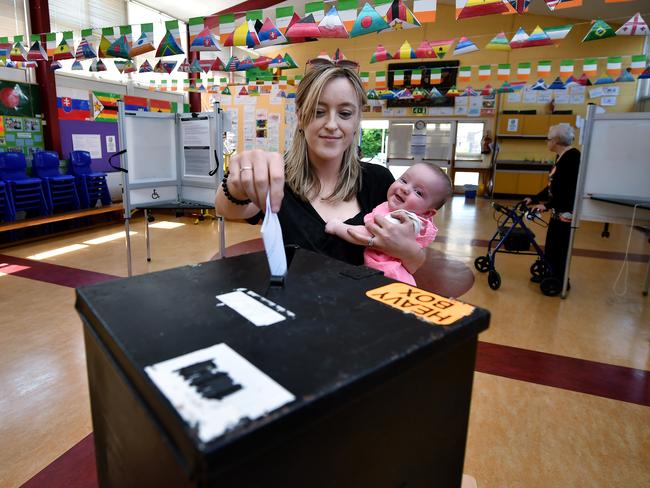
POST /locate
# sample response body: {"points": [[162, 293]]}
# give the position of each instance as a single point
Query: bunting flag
{"points": [[36, 52], [499, 43], [636, 26], [303, 29], [543, 68], [559, 32], [152, 85], [365, 79], [289, 62], [294, 20], [332, 26], [108, 37], [435, 93], [217, 65], [469, 92], [145, 67], [226, 90], [243, 35], [184, 67], [441, 47], [172, 26], [227, 27], [484, 72], [205, 40], [590, 67], [77, 66], [135, 104], [405, 52], [277, 62], [195, 67], [54, 65], [599, 30], [18, 51], [645, 75], [638, 64], [523, 71], [5, 48], [567, 68], [520, 6], [625, 77], [85, 49], [503, 72], [283, 17], [435, 76], [539, 85], [404, 94], [505, 88], [382, 6], [245, 64], [464, 46], [269, 34], [119, 48], [420, 93], [158, 68], [367, 22], [316, 9], [144, 44], [64, 50], [104, 106], [400, 17], [194, 26], [557, 84], [124, 66], [425, 10], [50, 44], [380, 54], [476, 8], [537, 38], [416, 77], [380, 80], [425, 50], [614, 65], [452, 92], [398, 77], [605, 80], [520, 39], [465, 73], [168, 46], [206, 64]]}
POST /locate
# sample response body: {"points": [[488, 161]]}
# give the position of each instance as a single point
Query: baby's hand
{"points": [[332, 226]]}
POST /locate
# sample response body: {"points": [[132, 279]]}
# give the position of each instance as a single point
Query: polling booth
{"points": [[170, 161]]}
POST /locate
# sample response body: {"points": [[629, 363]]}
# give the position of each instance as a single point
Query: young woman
{"points": [[320, 177]]}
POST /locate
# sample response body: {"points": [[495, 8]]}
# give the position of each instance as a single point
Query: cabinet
{"points": [[518, 182]]}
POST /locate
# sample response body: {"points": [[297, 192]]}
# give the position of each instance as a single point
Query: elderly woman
{"points": [[558, 197], [320, 178]]}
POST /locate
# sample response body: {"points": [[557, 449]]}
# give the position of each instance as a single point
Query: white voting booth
{"points": [[614, 179], [171, 161]]}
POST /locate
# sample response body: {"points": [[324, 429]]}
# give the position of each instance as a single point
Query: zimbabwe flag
{"points": [[104, 106]]}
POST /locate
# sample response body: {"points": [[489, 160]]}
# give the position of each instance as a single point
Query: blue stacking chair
{"points": [[60, 190], [26, 194], [91, 185], [7, 212]]}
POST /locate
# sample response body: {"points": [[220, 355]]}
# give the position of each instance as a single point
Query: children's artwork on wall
{"points": [[144, 44], [368, 21], [636, 26], [465, 46], [104, 106], [332, 26], [499, 43], [19, 99], [269, 34]]}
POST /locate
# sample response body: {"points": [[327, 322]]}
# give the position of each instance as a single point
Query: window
{"points": [[468, 140], [373, 140], [12, 18], [67, 15]]}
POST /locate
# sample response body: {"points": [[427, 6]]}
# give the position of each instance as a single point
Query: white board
{"points": [[151, 145]]}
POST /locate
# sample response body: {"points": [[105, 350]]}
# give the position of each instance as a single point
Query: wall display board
{"points": [[20, 118]]}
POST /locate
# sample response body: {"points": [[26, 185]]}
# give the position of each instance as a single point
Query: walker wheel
{"points": [[482, 264], [551, 286], [538, 268], [494, 279], [150, 218]]}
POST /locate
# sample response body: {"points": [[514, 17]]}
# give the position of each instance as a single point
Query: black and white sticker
{"points": [[255, 308]]}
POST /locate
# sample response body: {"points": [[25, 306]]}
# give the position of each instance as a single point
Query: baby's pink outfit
{"points": [[392, 267]]}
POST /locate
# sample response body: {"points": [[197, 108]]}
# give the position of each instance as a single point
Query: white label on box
{"points": [[255, 308]]}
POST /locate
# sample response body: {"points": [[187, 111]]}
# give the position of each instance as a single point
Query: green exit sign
{"points": [[419, 110]]}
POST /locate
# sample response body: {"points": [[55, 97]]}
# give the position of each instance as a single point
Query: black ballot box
{"points": [[206, 375]]}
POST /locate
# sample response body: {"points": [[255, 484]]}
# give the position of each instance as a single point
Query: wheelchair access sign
{"points": [[423, 304]]}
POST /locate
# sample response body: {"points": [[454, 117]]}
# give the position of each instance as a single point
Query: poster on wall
{"points": [[19, 99], [21, 134]]}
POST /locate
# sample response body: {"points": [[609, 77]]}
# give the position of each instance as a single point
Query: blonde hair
{"points": [[298, 172]]}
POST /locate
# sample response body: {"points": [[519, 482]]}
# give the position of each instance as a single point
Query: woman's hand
{"points": [[527, 200], [252, 175], [540, 207]]}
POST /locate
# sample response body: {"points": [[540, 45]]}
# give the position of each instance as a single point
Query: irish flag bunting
{"points": [[436, 76], [465, 73], [380, 80], [317, 9], [226, 26], [365, 78], [416, 77], [348, 13], [523, 71], [398, 77], [566, 68], [484, 72], [283, 17], [425, 10], [382, 6], [590, 67], [503, 72], [614, 65], [195, 26], [638, 64], [543, 68], [50, 43]]}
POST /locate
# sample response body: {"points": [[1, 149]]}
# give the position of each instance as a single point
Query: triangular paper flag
{"points": [[205, 41], [158, 68], [465, 46], [262, 62], [18, 52], [605, 80], [37, 52], [168, 66], [108, 36], [217, 65], [245, 64], [243, 91], [380, 54], [487, 90], [232, 64], [599, 30], [519, 39], [144, 44], [56, 65], [332, 26], [120, 48], [269, 34], [386, 95], [420, 93], [476, 8], [626, 77], [97, 65], [557, 84], [537, 38], [441, 47], [435, 93], [539, 85], [225, 91], [184, 67], [404, 94], [636, 26], [206, 64], [304, 28], [63, 50], [85, 50], [145, 67], [469, 92], [645, 75], [120, 64], [195, 67], [294, 20], [168, 46], [584, 80], [277, 62], [368, 21], [405, 52], [558, 32], [499, 43], [77, 66], [520, 6], [400, 17], [452, 92], [425, 51], [288, 60], [505, 88]]}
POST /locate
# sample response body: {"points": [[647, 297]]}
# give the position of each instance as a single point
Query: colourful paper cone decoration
{"points": [[304, 28], [64, 50], [119, 48], [368, 21], [476, 8], [332, 26], [37, 52], [557, 84], [636, 26], [168, 46], [205, 41], [499, 43], [144, 44], [441, 47], [400, 17], [425, 50], [465, 46], [269, 34], [405, 52], [599, 30]]}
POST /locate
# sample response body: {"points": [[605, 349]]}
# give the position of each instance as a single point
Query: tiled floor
{"points": [[521, 433]]}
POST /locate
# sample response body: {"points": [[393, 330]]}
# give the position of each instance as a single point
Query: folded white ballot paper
{"points": [[273, 242]]}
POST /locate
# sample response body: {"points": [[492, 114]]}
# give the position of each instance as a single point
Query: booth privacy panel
{"points": [[151, 144]]}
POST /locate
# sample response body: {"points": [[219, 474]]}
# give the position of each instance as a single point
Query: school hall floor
{"points": [[561, 393]]}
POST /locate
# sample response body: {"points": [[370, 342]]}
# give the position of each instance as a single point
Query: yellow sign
{"points": [[424, 304]]}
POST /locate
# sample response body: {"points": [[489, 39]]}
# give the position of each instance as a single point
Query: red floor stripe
{"points": [[600, 379], [51, 273]]}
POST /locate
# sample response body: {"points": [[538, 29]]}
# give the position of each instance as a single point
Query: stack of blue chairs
{"points": [[26, 194], [60, 190], [7, 212], [91, 185]]}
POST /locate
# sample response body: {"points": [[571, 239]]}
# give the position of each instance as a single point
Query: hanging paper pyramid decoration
{"points": [[184, 67], [168, 46], [420, 93], [636, 26], [558, 32], [405, 52], [452, 92], [435, 93], [262, 62], [77, 66], [64, 50], [288, 60], [97, 65], [232, 64], [158, 68], [304, 28], [553, 4], [124, 66], [18, 52], [269, 34], [144, 44], [645, 75], [120, 48], [205, 41], [206, 64], [464, 46], [557, 84], [625, 77], [404, 94], [520, 6], [425, 50], [539, 85], [294, 20], [37, 52], [145, 67], [85, 50], [537, 38], [380, 54], [599, 30], [217, 65], [55, 65], [505, 88], [520, 39], [332, 26], [195, 67], [225, 91], [469, 92], [605, 80], [441, 47], [245, 64], [277, 62], [368, 21], [499, 43], [476, 8], [399, 16]]}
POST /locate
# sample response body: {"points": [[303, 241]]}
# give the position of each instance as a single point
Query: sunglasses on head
{"points": [[340, 63]]}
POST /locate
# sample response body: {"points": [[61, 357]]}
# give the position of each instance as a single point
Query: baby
{"points": [[417, 194]]}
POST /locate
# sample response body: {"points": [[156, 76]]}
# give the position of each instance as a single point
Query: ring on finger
{"points": [[371, 241], [244, 168]]}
